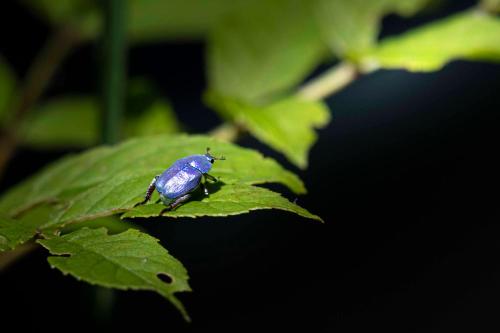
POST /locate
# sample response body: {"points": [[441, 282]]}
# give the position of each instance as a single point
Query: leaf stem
{"points": [[113, 69], [328, 83]]}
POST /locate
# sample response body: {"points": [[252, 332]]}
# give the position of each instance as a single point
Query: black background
{"points": [[405, 176]]}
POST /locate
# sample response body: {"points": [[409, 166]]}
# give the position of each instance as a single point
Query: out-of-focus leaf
{"points": [[8, 84], [129, 260], [155, 20], [158, 119], [351, 27], [83, 15], [63, 122], [264, 50], [148, 20], [74, 122], [287, 125], [14, 232], [492, 6], [472, 35], [110, 180], [229, 200]]}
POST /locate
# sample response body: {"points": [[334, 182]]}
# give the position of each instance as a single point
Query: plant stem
{"points": [[113, 69], [330, 82], [36, 82]]}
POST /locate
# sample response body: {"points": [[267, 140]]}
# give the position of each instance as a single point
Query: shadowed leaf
{"points": [[8, 85]]}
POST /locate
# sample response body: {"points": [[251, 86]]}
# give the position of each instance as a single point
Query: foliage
{"points": [[432, 46], [258, 53], [129, 260]]}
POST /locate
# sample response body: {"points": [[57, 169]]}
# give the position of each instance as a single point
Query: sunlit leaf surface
{"points": [[351, 27], [472, 35], [287, 125], [111, 180]]}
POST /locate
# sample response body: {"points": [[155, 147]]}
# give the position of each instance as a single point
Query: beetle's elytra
{"points": [[176, 184]]}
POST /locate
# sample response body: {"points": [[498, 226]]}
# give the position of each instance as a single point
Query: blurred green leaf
{"points": [[73, 121], [351, 27], [156, 20], [8, 85], [129, 260], [492, 6], [286, 125], [264, 50], [158, 119], [110, 180], [148, 20], [70, 121], [472, 35], [83, 15]]}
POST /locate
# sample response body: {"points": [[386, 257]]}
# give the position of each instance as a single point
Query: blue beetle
{"points": [[176, 184]]}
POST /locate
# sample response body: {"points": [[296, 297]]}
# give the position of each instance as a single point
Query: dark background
{"points": [[405, 177]]}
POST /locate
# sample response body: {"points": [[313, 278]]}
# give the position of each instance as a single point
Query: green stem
{"points": [[113, 69], [330, 82], [333, 80]]}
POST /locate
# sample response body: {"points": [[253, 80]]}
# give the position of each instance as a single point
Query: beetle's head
{"points": [[211, 158]]}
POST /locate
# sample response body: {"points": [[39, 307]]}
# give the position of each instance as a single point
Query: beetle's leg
{"points": [[176, 203], [204, 187], [210, 177], [149, 192], [158, 201]]}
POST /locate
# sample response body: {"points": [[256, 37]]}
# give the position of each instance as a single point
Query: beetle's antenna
{"points": [[215, 158]]}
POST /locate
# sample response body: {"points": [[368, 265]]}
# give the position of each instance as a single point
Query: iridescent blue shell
{"points": [[183, 176]]}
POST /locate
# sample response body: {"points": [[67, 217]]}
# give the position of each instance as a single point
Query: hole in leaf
{"points": [[165, 277], [65, 255]]}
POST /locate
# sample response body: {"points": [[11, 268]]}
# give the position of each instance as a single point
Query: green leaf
{"points": [[83, 15], [71, 121], [264, 50], [8, 85], [148, 20], [351, 27], [492, 6], [14, 232], [159, 118], [113, 224], [286, 125], [156, 20], [110, 180], [129, 260], [472, 35], [229, 200], [47, 126]]}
